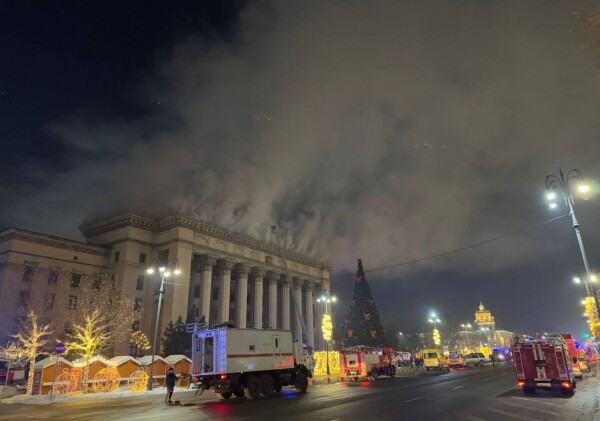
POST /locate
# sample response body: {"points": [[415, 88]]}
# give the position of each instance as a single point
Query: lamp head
{"points": [[162, 269], [177, 271], [150, 270]]}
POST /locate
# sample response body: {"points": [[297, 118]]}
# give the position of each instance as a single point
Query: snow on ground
{"points": [[80, 396]]}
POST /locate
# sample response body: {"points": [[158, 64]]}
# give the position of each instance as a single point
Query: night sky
{"points": [[387, 131]]}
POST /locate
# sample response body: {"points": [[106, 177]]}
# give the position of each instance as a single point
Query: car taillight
{"points": [[567, 385], [460, 360], [223, 376], [521, 384]]}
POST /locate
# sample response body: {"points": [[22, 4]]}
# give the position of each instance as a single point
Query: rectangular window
{"points": [[213, 314], [28, 273], [72, 302], [50, 301], [215, 295], [232, 296], [117, 256], [24, 296], [75, 280], [196, 291], [142, 257], [196, 311], [231, 314], [52, 277], [140, 283], [138, 304]]}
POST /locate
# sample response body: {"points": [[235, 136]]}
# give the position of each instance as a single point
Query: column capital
{"points": [[225, 264], [258, 271], [242, 268], [297, 282], [272, 276], [309, 283], [207, 261]]}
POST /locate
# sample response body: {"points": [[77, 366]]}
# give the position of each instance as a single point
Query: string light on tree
{"points": [[434, 319]]}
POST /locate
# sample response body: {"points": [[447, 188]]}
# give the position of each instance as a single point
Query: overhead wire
{"points": [[470, 246]]}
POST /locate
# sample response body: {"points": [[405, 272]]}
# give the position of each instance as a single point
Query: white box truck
{"points": [[260, 361]]}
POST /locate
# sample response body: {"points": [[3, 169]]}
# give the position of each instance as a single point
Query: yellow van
{"points": [[433, 359]]}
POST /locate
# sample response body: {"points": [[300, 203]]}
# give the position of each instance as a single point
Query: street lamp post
{"points": [[164, 273], [466, 327], [326, 324], [436, 334], [561, 184]]}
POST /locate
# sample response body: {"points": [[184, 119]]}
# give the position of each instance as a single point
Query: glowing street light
{"points": [[164, 273], [577, 280], [326, 323], [562, 185]]}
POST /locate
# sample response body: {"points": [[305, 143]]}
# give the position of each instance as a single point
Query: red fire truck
{"points": [[362, 361], [544, 365]]}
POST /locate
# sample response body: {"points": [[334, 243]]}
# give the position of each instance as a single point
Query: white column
{"points": [[225, 266], [207, 262], [297, 309], [242, 295], [285, 303], [272, 277], [258, 274], [310, 319]]}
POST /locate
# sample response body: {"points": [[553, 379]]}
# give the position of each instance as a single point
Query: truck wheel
{"points": [[565, 391], [239, 392], [374, 374], [253, 385], [267, 385], [481, 363], [226, 395], [529, 390], [278, 387], [301, 382]]}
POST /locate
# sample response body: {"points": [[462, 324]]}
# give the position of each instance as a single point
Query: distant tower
{"points": [[484, 318]]}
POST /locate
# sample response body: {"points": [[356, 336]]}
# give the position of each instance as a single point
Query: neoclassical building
{"points": [[225, 276]]}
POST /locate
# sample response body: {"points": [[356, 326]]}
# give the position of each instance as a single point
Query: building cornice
{"points": [[201, 227], [52, 241]]}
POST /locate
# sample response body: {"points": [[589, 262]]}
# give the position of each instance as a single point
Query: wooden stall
{"points": [[160, 368], [44, 372]]}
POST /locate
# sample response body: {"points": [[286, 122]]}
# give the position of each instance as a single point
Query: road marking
{"points": [[538, 400], [509, 414], [458, 387], [528, 405], [505, 374], [485, 380], [413, 399]]}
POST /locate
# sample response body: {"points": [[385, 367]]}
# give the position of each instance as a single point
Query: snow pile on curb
{"points": [[79, 396], [7, 391]]}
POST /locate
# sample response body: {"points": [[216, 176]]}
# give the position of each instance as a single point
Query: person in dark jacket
{"points": [[170, 382]]}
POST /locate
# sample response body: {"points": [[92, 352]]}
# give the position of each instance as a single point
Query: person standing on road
{"points": [[170, 382], [493, 358]]}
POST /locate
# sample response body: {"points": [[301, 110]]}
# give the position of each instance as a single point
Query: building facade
{"points": [[225, 276]]}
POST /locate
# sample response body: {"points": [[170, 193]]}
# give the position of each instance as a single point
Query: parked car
{"points": [[455, 359], [584, 364], [475, 358]]}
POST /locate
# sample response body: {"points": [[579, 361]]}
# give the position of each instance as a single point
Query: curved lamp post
{"points": [[561, 187], [164, 272]]}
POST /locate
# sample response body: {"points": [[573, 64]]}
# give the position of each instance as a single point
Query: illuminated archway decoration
{"points": [[327, 327], [321, 363], [65, 383], [107, 380], [138, 380]]}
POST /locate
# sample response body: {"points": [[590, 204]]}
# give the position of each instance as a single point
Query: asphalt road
{"points": [[456, 395]]}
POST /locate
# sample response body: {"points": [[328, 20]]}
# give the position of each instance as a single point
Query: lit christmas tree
{"points": [[363, 325]]}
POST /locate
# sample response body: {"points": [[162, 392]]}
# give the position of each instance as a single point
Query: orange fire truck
{"points": [[363, 361], [544, 365]]}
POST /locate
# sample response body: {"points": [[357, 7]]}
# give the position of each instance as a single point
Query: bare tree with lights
{"points": [[141, 342], [33, 336], [98, 319]]}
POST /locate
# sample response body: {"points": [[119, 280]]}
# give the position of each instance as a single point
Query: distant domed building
{"points": [[484, 318]]}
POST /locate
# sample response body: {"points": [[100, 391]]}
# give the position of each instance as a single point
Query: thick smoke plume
{"points": [[382, 130]]}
